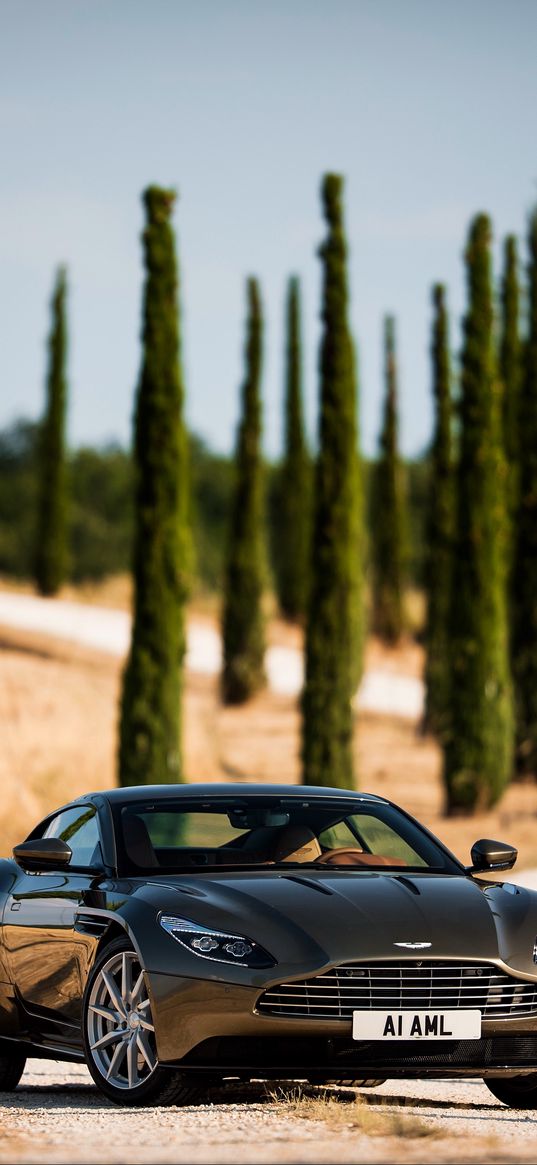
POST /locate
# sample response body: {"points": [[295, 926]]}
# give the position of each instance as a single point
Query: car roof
{"points": [[224, 790]]}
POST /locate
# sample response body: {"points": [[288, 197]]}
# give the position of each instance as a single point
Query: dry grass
{"points": [[58, 711], [346, 1112]]}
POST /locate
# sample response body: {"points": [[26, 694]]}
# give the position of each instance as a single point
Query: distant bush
{"points": [[100, 508], [211, 477], [18, 499], [100, 512]]}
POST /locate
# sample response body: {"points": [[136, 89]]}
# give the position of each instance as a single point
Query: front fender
{"points": [[514, 910]]}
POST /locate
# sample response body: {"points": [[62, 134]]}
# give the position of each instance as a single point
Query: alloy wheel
{"points": [[121, 1033]]}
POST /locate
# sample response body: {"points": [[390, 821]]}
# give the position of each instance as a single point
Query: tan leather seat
{"points": [[296, 843]]}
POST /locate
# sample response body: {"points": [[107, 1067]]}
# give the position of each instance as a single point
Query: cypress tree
{"points": [[524, 575], [510, 351], [357, 624], [439, 550], [150, 724], [243, 630], [478, 749], [334, 622], [387, 529], [510, 370], [51, 550], [293, 518]]}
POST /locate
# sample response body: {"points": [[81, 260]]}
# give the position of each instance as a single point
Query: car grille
{"points": [[402, 986]]}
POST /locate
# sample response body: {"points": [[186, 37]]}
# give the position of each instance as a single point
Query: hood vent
{"points": [[300, 881]]}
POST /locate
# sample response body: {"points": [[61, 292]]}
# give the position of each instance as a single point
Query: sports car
{"points": [[178, 936]]}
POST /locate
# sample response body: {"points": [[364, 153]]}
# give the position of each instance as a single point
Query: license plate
{"points": [[416, 1025]]}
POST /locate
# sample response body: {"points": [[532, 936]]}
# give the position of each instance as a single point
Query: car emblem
{"points": [[414, 946]]}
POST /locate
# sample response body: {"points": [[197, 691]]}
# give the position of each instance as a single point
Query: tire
{"points": [[12, 1065], [516, 1091], [119, 1035]]}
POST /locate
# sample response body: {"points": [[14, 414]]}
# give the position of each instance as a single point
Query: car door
{"points": [[47, 958]]}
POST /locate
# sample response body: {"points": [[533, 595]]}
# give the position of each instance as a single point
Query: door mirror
{"points": [[492, 855], [42, 853]]}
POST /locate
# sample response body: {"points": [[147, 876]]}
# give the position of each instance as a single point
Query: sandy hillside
{"points": [[58, 715]]}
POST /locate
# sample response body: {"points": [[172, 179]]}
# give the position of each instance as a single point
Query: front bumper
{"points": [[206, 1025]]}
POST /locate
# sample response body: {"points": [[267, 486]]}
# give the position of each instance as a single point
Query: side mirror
{"points": [[42, 853], [492, 855]]}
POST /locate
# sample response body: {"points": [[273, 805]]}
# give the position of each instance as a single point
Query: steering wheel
{"points": [[326, 858]]}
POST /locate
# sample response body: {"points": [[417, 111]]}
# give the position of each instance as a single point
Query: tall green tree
{"points": [[510, 374], [150, 722], [51, 557], [510, 349], [440, 527], [334, 622], [292, 526], [479, 748], [358, 618], [387, 518], [524, 574], [243, 628]]}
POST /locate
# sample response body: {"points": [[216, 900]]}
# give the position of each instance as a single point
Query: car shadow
{"points": [[259, 1092], [271, 1091]]}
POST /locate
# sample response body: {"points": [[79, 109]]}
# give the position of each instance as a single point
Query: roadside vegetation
{"points": [[335, 620], [150, 726], [440, 550], [344, 1110]]}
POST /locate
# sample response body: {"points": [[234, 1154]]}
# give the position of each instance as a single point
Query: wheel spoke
{"points": [[116, 1059], [114, 993], [132, 1057], [141, 1040], [106, 1012], [146, 1024], [109, 1038], [126, 979], [137, 988]]}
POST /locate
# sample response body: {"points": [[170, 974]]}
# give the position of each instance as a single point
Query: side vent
{"points": [[91, 924]]}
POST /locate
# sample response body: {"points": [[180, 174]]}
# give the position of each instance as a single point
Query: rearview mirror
{"points": [[42, 852], [257, 818], [492, 855]]}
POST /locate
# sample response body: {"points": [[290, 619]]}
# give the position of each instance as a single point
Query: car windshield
{"points": [[178, 835]]}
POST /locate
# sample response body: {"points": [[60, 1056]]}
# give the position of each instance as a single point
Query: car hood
{"points": [[319, 918]]}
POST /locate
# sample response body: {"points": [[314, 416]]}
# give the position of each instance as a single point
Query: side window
{"points": [[338, 836], [380, 838], [79, 828]]}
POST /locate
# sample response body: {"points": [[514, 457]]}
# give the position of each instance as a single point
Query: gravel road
{"points": [[56, 1115]]}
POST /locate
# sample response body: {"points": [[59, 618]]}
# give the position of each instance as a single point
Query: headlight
{"points": [[217, 945]]}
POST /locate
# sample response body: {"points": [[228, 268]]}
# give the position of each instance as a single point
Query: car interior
{"points": [[262, 844]]}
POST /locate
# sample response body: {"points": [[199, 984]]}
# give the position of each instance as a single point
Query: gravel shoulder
{"points": [[56, 1115]]}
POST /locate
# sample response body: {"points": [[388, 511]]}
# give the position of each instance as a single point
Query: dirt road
{"points": [[109, 631], [56, 1115]]}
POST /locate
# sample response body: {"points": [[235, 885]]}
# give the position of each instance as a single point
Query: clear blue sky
{"points": [[427, 108]]}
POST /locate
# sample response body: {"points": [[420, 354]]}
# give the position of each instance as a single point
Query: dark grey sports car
{"points": [[177, 936]]}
